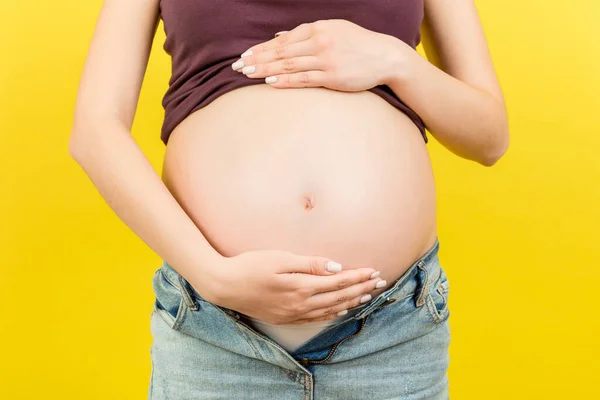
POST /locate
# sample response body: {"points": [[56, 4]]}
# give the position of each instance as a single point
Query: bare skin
{"points": [[352, 183]]}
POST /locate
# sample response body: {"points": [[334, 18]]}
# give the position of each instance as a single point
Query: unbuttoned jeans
{"points": [[394, 347]]}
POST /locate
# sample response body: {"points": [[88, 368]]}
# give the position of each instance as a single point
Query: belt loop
{"points": [[186, 294], [423, 288]]}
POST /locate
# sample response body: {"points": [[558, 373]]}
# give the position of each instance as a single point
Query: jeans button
{"points": [[388, 301]]}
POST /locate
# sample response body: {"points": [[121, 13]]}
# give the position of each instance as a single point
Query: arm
{"points": [[102, 145], [275, 286], [462, 105], [463, 108]]}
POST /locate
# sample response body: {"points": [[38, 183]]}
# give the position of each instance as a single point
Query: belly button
{"points": [[309, 201]]}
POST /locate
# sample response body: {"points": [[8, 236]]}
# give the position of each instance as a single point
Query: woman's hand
{"points": [[283, 288], [335, 53]]}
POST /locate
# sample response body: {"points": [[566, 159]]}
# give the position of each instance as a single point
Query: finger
{"points": [[313, 265], [331, 312], [306, 320], [284, 66], [298, 80], [341, 280], [280, 53], [298, 34], [329, 299], [328, 313]]}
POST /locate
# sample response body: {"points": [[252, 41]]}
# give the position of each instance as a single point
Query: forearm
{"points": [[470, 122], [127, 181]]}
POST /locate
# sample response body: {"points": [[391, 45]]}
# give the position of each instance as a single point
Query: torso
{"points": [[312, 171]]}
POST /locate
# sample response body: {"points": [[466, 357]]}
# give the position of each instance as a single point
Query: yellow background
{"points": [[519, 240]]}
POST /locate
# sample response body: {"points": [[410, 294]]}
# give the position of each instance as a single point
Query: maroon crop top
{"points": [[204, 37]]}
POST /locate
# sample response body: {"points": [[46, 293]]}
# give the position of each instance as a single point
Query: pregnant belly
{"points": [[312, 171]]}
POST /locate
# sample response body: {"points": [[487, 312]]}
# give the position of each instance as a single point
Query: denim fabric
{"points": [[394, 347]]}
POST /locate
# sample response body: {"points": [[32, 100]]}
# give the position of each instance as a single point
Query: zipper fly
{"points": [[306, 361]]}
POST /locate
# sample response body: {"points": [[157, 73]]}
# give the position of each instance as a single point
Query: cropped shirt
{"points": [[204, 37]]}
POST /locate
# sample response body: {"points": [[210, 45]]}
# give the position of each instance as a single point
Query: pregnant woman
{"points": [[296, 214]]}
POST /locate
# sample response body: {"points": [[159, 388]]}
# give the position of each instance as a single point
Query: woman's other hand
{"points": [[280, 287], [334, 53]]}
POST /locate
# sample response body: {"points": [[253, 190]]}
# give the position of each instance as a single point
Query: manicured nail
{"points": [[333, 266], [271, 79], [249, 69], [246, 53], [380, 284], [237, 65], [344, 312], [365, 298], [375, 274]]}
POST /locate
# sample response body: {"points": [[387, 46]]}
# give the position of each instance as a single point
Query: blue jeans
{"points": [[394, 347]]}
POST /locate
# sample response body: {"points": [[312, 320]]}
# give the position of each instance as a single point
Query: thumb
{"points": [[313, 265]]}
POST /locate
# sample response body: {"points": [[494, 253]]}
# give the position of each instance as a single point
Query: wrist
{"points": [[208, 278], [399, 60]]}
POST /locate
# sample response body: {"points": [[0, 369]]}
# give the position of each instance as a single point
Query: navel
{"points": [[309, 201]]}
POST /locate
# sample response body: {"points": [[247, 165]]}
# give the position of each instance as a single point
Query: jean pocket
{"points": [[437, 298], [172, 298]]}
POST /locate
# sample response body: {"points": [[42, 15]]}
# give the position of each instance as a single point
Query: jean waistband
{"points": [[413, 283], [426, 269]]}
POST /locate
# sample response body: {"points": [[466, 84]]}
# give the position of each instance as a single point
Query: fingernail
{"points": [[279, 33], [237, 65], [380, 284], [246, 53], [271, 79], [365, 298], [333, 266], [249, 69], [342, 313], [375, 274]]}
